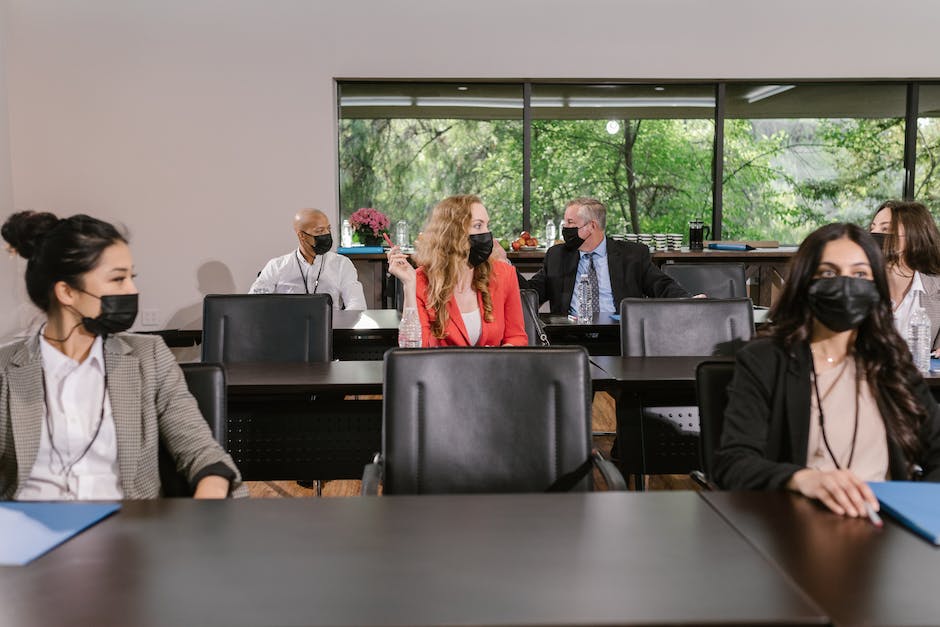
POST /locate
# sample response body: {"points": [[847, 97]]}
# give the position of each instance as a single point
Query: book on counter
{"points": [[914, 504], [29, 529], [360, 250]]}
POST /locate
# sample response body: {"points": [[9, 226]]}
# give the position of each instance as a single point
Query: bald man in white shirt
{"points": [[313, 268]]}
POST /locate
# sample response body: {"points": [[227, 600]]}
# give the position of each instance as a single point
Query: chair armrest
{"points": [[612, 476], [372, 476], [699, 478]]}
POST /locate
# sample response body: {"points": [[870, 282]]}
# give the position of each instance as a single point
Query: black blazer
{"points": [[766, 425], [632, 275]]}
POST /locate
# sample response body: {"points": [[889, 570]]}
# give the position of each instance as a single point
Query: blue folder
{"points": [[360, 250], [914, 504], [934, 364], [27, 530]]}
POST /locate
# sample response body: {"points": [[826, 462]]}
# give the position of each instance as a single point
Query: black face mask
{"points": [[118, 312], [570, 235], [879, 239], [842, 303], [481, 245], [322, 243]]}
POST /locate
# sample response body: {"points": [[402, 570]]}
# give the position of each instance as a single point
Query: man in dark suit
{"points": [[623, 269]]}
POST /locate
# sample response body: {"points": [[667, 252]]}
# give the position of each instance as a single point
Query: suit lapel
{"points": [[615, 271], [124, 393], [570, 274], [27, 406], [798, 402], [456, 318]]}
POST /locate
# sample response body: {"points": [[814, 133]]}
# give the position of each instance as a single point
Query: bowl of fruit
{"points": [[524, 242]]}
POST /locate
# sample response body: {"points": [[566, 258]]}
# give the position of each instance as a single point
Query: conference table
{"points": [[858, 574], [521, 559], [309, 420]]}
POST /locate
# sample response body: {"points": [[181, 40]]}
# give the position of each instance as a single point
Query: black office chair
{"points": [[711, 387], [494, 420], [534, 328], [667, 438], [206, 382], [267, 327], [715, 280], [281, 437]]}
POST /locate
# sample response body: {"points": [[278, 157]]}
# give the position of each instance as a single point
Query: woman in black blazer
{"points": [[790, 421]]}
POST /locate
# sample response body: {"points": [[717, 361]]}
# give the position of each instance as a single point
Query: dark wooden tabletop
{"points": [[858, 574], [542, 559], [349, 377]]}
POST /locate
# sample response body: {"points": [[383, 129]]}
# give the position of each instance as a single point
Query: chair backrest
{"points": [[206, 382], [267, 327], [530, 307], [715, 280], [689, 326], [711, 387], [472, 420]]}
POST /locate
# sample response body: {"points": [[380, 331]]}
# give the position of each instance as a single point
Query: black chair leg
{"points": [[639, 483]]}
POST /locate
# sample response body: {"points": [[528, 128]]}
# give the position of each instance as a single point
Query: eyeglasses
{"points": [[316, 232]]}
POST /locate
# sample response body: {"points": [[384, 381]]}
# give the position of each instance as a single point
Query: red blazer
{"points": [[507, 327]]}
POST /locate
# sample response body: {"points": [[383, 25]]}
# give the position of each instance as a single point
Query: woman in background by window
{"points": [[462, 298], [910, 242]]}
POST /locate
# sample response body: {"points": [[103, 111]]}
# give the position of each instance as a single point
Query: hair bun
{"points": [[25, 230]]}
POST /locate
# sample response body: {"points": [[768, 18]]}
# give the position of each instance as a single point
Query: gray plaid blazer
{"points": [[149, 400], [932, 304]]}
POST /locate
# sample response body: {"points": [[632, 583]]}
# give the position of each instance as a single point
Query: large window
{"points": [[403, 147], [800, 155], [791, 156], [645, 150], [927, 179]]}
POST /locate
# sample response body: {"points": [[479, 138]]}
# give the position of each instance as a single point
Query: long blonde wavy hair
{"points": [[443, 251]]}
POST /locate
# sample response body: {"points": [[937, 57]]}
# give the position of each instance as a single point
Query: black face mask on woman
{"points": [[879, 239], [572, 240], [118, 312], [842, 303], [481, 245]]}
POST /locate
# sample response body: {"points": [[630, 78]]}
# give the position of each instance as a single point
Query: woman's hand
{"points": [[399, 266], [212, 487], [839, 490]]}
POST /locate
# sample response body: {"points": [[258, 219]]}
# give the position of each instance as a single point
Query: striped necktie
{"points": [[595, 294]]}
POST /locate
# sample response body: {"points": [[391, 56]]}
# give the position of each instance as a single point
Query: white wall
{"points": [[203, 124]]}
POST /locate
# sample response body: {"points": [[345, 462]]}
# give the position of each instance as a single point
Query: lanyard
{"points": [[304, 275], [822, 420]]}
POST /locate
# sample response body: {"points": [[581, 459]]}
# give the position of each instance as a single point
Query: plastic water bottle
{"points": [[585, 296], [550, 233], [409, 329], [919, 336], [346, 234]]}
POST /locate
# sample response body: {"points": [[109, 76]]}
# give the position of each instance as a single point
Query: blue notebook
{"points": [[934, 364], [914, 504], [360, 250], [27, 530]]}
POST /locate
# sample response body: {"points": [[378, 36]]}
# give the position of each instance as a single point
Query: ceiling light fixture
{"points": [[766, 92]]}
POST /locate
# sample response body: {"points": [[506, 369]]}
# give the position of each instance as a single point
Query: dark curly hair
{"points": [[880, 351], [57, 249]]}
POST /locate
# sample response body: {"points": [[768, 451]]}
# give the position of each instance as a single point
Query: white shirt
{"points": [[605, 296], [474, 325], [902, 313], [328, 274], [73, 409]]}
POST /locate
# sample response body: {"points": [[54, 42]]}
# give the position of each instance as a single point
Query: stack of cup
{"points": [[674, 241]]}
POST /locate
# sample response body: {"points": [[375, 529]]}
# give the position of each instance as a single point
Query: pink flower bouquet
{"points": [[369, 224]]}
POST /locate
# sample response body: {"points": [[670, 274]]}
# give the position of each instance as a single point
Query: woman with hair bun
{"points": [[462, 298], [83, 405]]}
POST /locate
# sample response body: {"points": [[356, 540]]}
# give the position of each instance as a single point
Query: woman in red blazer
{"points": [[462, 298]]}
